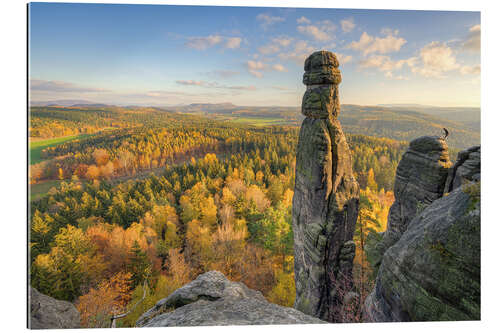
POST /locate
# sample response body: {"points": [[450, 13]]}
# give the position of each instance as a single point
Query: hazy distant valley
{"points": [[395, 121], [399, 122]]}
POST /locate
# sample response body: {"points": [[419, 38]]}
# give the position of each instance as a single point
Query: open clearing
{"points": [[257, 121], [36, 147], [38, 191]]}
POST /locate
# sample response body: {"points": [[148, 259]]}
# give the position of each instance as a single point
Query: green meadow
{"points": [[36, 147]]}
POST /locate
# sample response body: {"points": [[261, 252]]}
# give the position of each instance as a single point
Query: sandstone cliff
{"points": [[432, 272], [420, 179], [211, 299], [466, 169], [326, 196]]}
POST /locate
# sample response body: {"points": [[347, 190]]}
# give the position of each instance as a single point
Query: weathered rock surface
{"points": [[326, 197], [47, 312], [211, 299], [466, 169], [433, 271], [420, 179]]}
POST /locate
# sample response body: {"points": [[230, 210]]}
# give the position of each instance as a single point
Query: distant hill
{"points": [[407, 124], [469, 116], [396, 122], [408, 105], [62, 102]]}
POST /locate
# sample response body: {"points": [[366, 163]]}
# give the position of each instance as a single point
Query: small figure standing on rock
{"points": [[446, 133]]}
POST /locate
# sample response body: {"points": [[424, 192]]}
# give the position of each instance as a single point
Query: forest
{"points": [[150, 199]]}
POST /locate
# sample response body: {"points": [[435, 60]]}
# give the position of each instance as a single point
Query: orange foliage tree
{"points": [[109, 298]]}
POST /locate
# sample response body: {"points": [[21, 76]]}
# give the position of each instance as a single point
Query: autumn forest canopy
{"points": [[127, 198]]}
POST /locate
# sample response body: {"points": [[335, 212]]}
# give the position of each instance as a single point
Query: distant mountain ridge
{"points": [[397, 122], [60, 102]]}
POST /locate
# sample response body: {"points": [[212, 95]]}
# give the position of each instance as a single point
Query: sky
{"points": [[253, 56]]}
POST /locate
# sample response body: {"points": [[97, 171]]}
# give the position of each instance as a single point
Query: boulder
{"points": [[326, 196], [211, 299], [432, 273], [49, 313]]}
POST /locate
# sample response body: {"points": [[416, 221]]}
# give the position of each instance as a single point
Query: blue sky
{"points": [[167, 55]]}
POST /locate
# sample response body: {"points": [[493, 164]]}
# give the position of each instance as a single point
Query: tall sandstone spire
{"points": [[326, 199]]}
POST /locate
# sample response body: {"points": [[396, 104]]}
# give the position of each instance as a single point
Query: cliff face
{"points": [[211, 299], [432, 272], [466, 169], [47, 312], [326, 196], [420, 179]]}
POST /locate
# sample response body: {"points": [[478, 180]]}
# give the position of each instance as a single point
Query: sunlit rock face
{"points": [[326, 196], [431, 270], [420, 179]]}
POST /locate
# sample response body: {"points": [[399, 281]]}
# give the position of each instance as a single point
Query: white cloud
{"points": [[275, 45], [255, 73], [299, 53], [196, 83], [255, 67], [61, 86], [470, 69], [279, 68], [222, 73], [282, 41], [269, 49], [386, 65], [314, 32], [213, 85], [255, 64], [303, 20], [473, 41], [476, 28], [268, 20], [203, 43], [347, 25], [343, 59], [435, 59], [368, 44], [382, 62], [233, 42], [322, 31], [389, 75], [248, 88]]}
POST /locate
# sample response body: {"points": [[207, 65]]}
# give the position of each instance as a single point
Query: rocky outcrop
{"points": [[466, 169], [326, 196], [211, 299], [420, 179], [433, 271], [47, 312]]}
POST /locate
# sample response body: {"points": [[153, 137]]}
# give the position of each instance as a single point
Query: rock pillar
{"points": [[326, 197], [420, 179]]}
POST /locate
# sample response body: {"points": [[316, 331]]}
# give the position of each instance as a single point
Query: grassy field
{"points": [[37, 191], [36, 147], [257, 121]]}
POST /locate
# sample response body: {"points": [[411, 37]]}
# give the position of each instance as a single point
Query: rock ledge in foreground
{"points": [[211, 299], [49, 313]]}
